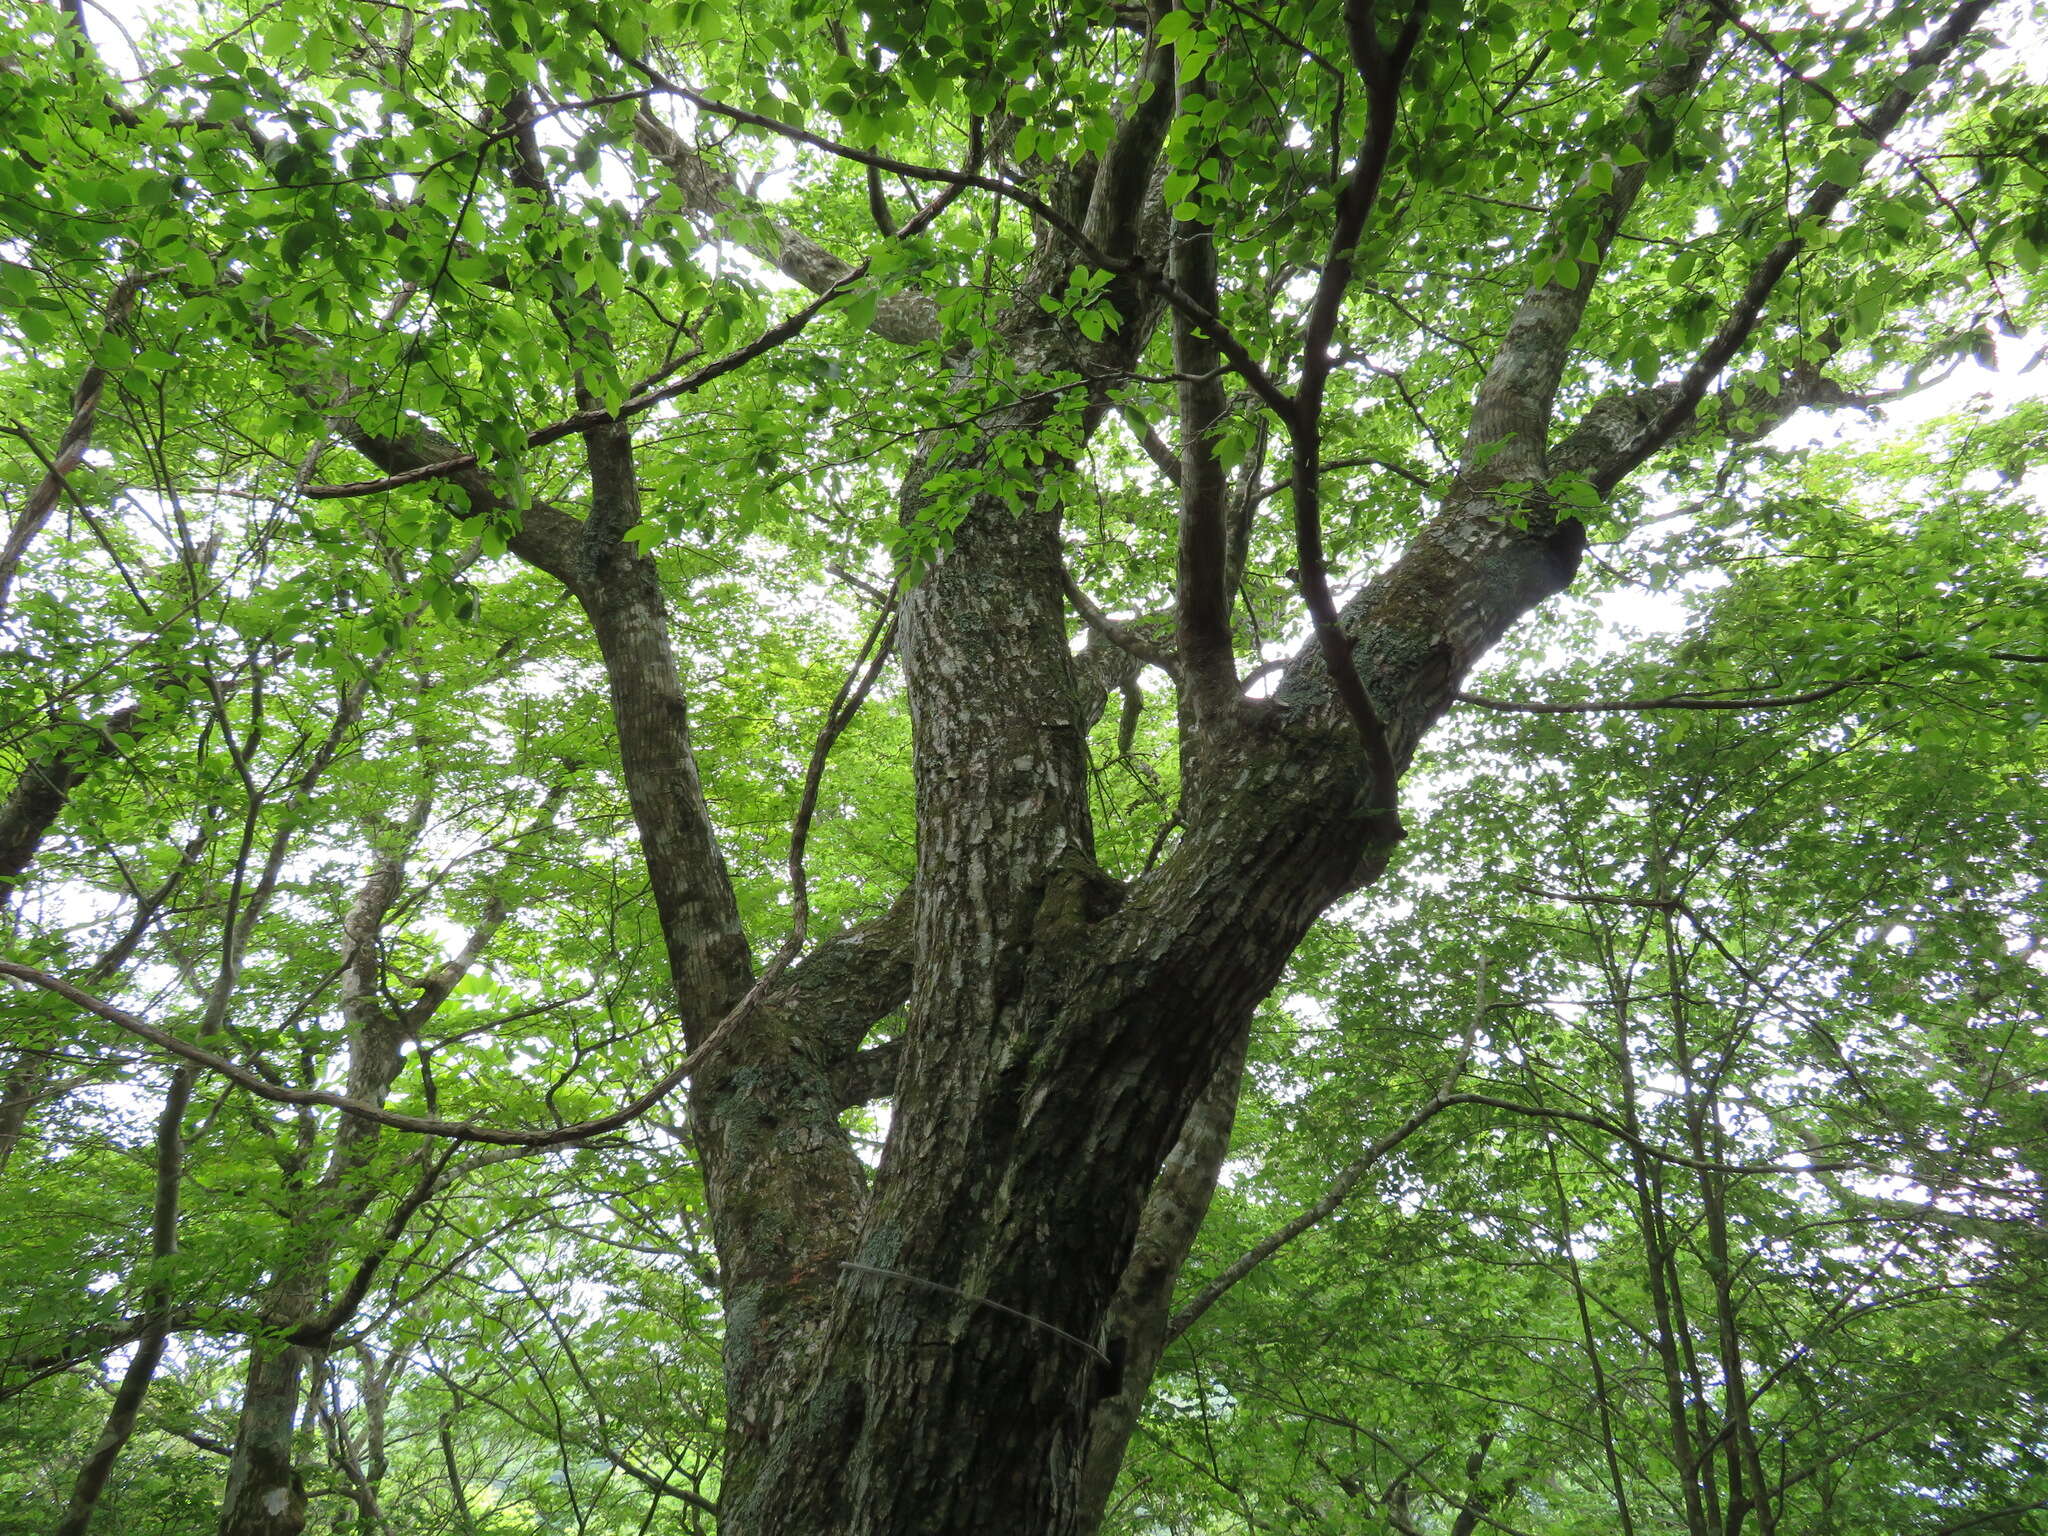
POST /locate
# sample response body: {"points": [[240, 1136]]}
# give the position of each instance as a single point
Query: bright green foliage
{"points": [[1793, 938], [1669, 941]]}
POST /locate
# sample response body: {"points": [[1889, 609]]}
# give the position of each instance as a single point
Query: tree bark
{"points": [[265, 1495], [1060, 1026]]}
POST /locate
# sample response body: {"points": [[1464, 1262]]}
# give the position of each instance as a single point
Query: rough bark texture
{"points": [[1060, 1026]]}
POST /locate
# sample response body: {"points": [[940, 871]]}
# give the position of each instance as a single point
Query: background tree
{"points": [[502, 453], [1683, 935]]}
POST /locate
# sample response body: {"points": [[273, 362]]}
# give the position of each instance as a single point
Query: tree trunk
{"points": [[1138, 1319], [92, 1477], [31, 808], [265, 1494]]}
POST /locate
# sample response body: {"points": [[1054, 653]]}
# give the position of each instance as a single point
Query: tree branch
{"points": [[1347, 1180], [1735, 330], [1120, 635], [1668, 701], [868, 1075], [72, 446], [1202, 607], [909, 318], [1382, 69], [1512, 409], [1133, 265], [457, 1130], [1720, 701], [776, 335]]}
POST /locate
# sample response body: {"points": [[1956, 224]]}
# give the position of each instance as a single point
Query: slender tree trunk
{"points": [[149, 1349], [1747, 1488], [783, 1186], [265, 1493], [120, 1426], [1594, 1364], [1137, 1329], [1705, 1480], [782, 1181], [465, 1520], [362, 1473], [1660, 1278]]}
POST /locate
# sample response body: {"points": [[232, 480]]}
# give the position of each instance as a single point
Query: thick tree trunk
{"points": [[1061, 1026], [960, 1362], [781, 1180], [938, 1408]]}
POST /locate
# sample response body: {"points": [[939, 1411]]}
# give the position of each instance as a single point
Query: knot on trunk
{"points": [[1078, 893]]}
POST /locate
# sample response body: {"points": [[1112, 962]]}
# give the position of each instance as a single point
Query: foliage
{"points": [[1710, 1022]]}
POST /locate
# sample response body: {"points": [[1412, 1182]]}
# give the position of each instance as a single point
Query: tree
{"points": [[463, 456], [1695, 937]]}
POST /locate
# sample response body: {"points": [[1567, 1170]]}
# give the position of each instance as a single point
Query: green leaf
{"points": [[296, 242]]}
